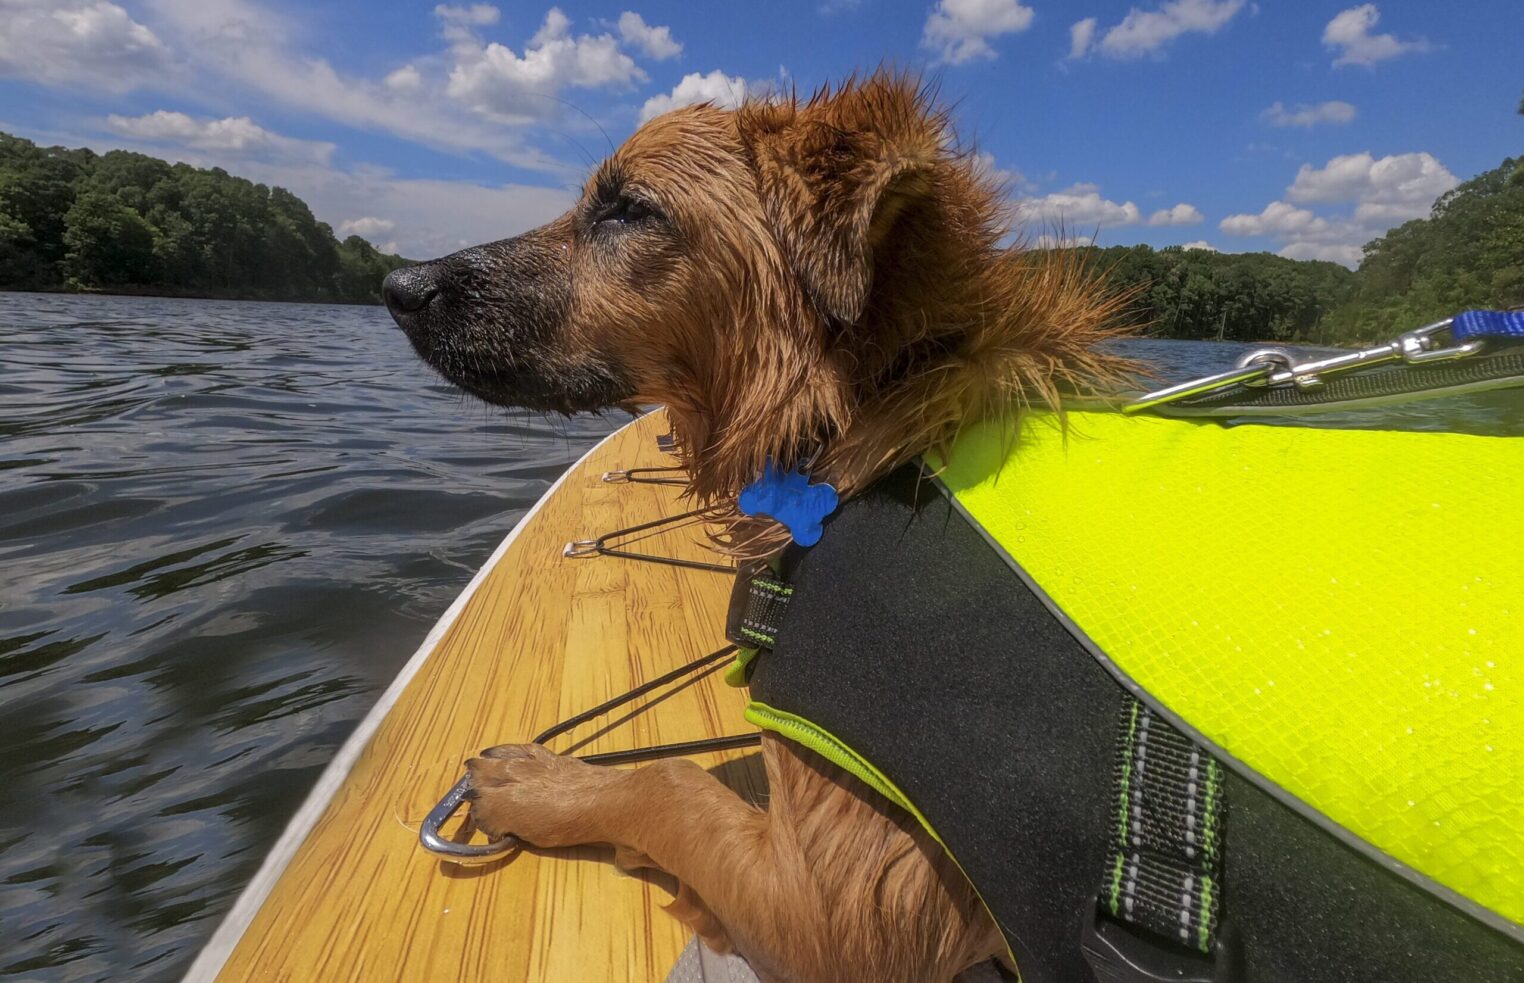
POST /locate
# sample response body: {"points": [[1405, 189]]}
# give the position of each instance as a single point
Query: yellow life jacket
{"points": [[1340, 612]]}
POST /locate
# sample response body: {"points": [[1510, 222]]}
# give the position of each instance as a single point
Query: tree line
{"points": [[1468, 253], [1197, 293], [120, 221], [127, 222]]}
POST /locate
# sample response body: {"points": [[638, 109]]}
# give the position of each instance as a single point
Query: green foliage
{"points": [[109, 244], [70, 219], [1469, 252], [1197, 293]]}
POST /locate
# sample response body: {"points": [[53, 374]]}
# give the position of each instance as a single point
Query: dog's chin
{"points": [[585, 390]]}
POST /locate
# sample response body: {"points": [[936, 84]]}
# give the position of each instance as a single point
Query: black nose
{"points": [[409, 290]]}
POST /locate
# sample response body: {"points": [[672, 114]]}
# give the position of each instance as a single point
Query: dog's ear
{"points": [[835, 176]]}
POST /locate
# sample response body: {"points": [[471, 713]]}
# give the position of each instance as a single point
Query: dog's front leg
{"points": [[687, 823]]}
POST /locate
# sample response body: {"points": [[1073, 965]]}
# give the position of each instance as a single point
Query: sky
{"points": [[1304, 128]]}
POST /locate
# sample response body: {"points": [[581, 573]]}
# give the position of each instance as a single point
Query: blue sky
{"points": [[1303, 128]]}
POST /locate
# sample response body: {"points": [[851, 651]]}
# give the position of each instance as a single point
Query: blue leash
{"points": [[1469, 325]]}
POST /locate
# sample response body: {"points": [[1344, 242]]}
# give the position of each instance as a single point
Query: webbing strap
{"points": [[1164, 867], [757, 605], [1487, 324]]}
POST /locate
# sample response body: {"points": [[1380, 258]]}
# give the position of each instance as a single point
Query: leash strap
{"points": [[1164, 866], [1469, 325]]}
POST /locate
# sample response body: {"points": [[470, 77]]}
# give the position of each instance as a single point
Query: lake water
{"points": [[223, 528]]}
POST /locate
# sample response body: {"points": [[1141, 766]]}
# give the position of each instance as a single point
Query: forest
{"points": [[1469, 252], [128, 223], [122, 222]]}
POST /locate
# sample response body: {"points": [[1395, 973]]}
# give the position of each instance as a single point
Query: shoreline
{"points": [[187, 295]]}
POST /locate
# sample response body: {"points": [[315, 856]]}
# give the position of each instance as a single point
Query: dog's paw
{"points": [[542, 798]]}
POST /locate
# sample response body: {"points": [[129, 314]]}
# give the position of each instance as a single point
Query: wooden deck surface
{"points": [[541, 638]]}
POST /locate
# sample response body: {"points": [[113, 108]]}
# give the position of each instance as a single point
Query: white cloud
{"points": [[1181, 214], [1046, 241], [1081, 33], [1414, 180], [1278, 218], [985, 165], [429, 218], [367, 227], [255, 48], [1349, 34], [656, 42], [959, 30], [236, 136], [1144, 32], [1348, 254], [475, 15], [497, 82], [405, 79], [1333, 111], [1385, 191], [79, 43], [1079, 206], [716, 87], [1201, 244]]}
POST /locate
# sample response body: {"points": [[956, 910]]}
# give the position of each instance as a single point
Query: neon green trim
{"points": [[738, 673], [1209, 827], [1122, 813], [1202, 937], [801, 731], [1116, 884]]}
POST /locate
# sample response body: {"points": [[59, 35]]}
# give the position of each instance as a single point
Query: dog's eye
{"points": [[624, 211]]}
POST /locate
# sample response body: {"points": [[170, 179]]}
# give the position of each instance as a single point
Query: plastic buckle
{"points": [[1119, 954]]}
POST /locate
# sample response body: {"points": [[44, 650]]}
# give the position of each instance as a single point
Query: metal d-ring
{"points": [[582, 549], [479, 853], [639, 476]]}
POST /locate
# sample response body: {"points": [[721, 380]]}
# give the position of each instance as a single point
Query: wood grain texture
{"points": [[542, 638]]}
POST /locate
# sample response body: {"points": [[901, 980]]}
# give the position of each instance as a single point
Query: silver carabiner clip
{"points": [[1418, 347], [461, 853]]}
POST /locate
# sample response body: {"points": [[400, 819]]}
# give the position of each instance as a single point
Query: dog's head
{"points": [[770, 274]]}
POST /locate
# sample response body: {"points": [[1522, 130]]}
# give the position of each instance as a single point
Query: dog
{"points": [[799, 278]]}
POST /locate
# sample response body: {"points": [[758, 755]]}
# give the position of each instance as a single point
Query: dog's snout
{"points": [[409, 290]]}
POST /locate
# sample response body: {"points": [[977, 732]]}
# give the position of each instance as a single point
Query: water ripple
{"points": [[223, 527]]}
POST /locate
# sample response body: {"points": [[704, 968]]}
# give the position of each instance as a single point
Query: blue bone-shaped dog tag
{"points": [[788, 497]]}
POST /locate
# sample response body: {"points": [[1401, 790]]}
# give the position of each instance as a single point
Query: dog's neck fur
{"points": [[1018, 330], [877, 313]]}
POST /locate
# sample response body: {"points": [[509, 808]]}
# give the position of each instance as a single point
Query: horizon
{"points": [[1303, 133]]}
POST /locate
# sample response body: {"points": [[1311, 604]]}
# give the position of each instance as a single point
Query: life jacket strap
{"points": [[758, 602], [1163, 871]]}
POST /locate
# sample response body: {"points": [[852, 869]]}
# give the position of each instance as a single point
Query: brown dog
{"points": [[787, 278]]}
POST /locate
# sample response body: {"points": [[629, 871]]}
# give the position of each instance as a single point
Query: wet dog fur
{"points": [[791, 278]]}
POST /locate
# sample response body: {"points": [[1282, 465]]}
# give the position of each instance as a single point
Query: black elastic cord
{"points": [[600, 545], [660, 750], [647, 476]]}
